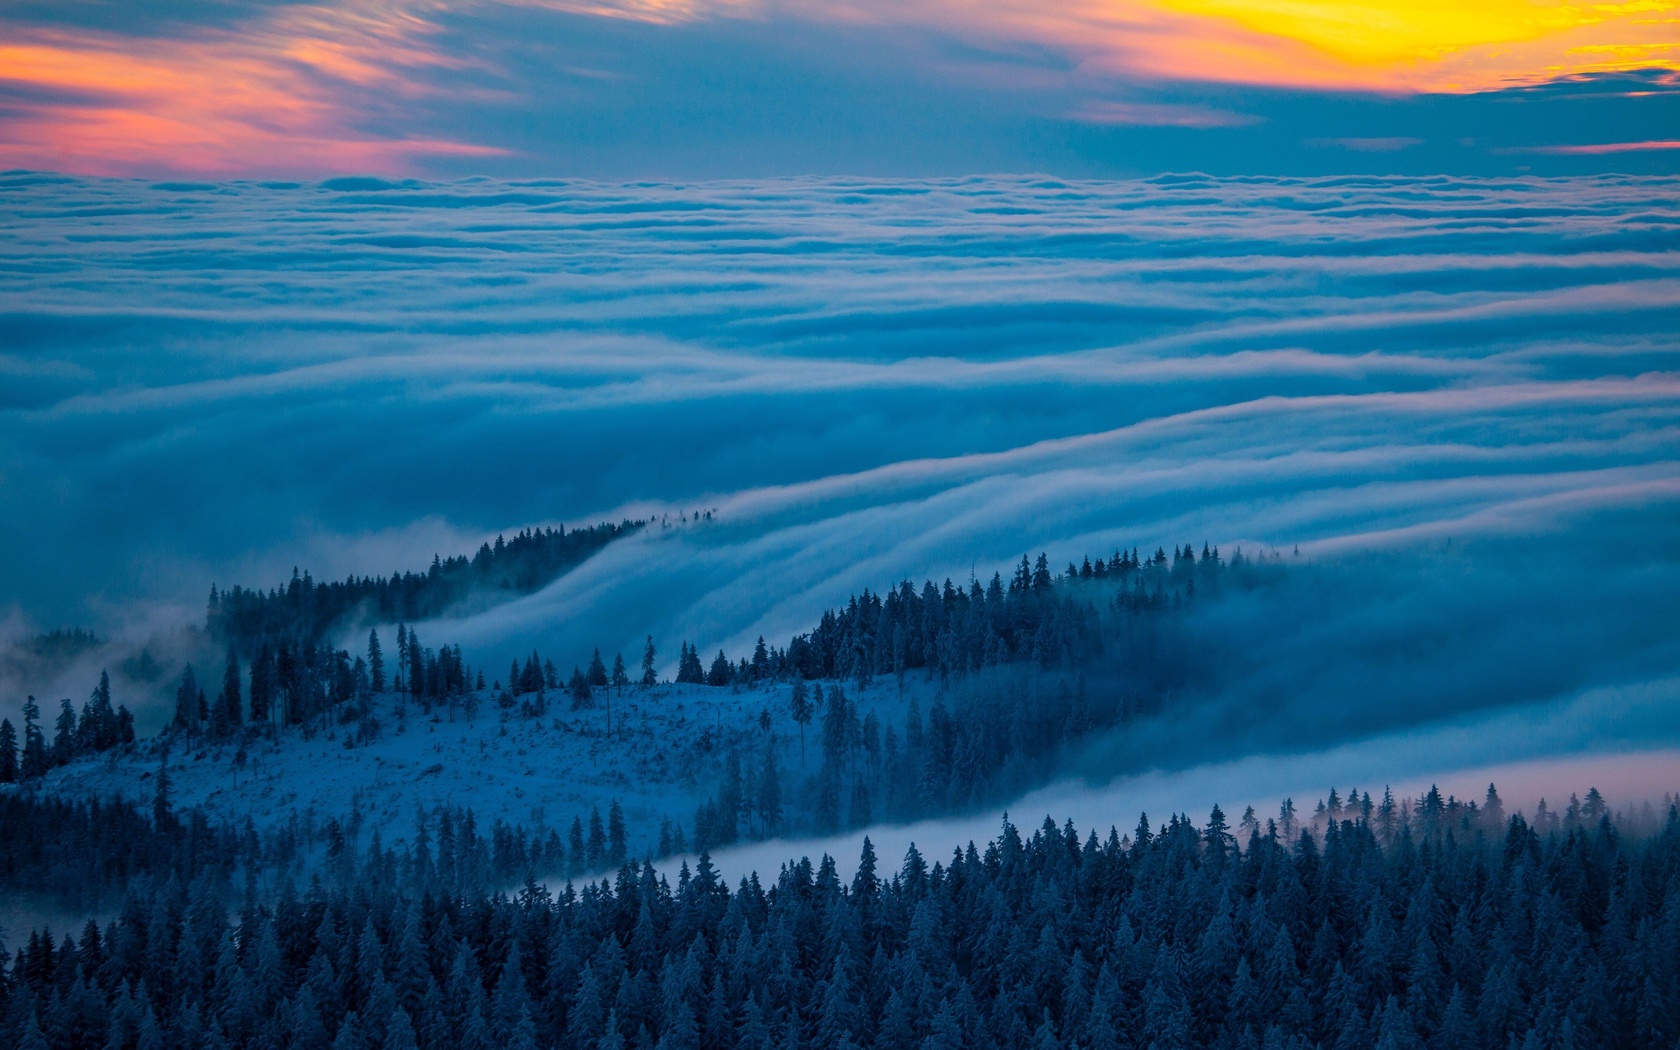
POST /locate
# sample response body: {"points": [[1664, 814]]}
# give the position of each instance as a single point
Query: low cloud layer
{"points": [[863, 379], [1625, 742]]}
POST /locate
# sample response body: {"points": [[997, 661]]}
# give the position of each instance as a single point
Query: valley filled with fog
{"points": [[1448, 403]]}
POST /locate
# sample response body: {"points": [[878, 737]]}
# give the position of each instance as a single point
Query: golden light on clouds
{"points": [[334, 86], [1374, 45]]}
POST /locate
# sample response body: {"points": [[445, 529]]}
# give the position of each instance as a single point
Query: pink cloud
{"points": [[284, 94], [1597, 148]]}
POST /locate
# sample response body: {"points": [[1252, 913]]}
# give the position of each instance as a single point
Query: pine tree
{"points": [[35, 761], [399, 1032], [402, 657], [186, 701], [416, 665], [375, 661], [97, 730], [8, 752], [620, 677], [575, 848], [721, 673], [770, 794], [579, 688], [650, 677], [689, 670], [616, 835], [30, 1036], [597, 671], [163, 814], [262, 680], [799, 706], [597, 845], [229, 704], [64, 734]]}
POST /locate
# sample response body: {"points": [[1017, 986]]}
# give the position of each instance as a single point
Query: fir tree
{"points": [[9, 773], [375, 661], [617, 835], [229, 703], [650, 676], [186, 701], [799, 706]]}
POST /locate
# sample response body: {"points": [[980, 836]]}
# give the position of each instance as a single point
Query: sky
{"points": [[685, 89]]}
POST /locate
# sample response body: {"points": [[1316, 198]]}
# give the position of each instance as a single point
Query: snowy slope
{"points": [[665, 755]]}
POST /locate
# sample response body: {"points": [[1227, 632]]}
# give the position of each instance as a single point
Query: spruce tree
{"points": [[186, 701], [64, 734], [650, 677], [770, 794], [597, 844], [8, 752], [375, 661], [229, 703], [799, 706], [578, 686], [262, 680], [617, 835], [721, 673], [97, 730], [416, 665], [402, 657]]}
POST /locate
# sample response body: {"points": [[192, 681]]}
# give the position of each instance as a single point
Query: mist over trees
{"points": [[99, 727], [1376, 926], [1003, 664], [306, 612], [1366, 924]]}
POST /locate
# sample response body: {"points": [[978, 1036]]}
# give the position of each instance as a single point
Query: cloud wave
{"points": [[214, 382]]}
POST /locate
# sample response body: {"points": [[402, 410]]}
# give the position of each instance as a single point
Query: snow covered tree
{"points": [[650, 676], [375, 661]]}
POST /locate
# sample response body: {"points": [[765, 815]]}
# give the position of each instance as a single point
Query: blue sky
{"points": [[748, 88]]}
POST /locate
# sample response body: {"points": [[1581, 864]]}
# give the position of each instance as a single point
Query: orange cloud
{"points": [[280, 96], [1363, 45], [297, 88], [1600, 148]]}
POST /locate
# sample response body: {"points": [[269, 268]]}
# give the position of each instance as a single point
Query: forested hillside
{"points": [[911, 703], [1377, 928], [237, 909]]}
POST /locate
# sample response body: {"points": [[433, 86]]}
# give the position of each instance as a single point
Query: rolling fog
{"points": [[1456, 398]]}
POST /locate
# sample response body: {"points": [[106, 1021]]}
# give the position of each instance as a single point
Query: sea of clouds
{"points": [[864, 380]]}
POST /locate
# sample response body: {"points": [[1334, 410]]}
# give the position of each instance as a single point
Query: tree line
{"points": [[99, 727], [999, 723], [1048, 619], [1011, 660], [306, 612], [90, 853], [1453, 927]]}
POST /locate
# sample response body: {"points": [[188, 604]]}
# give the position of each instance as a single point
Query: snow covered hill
{"points": [[663, 755]]}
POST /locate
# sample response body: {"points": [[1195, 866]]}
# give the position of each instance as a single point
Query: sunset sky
{"points": [[698, 88]]}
